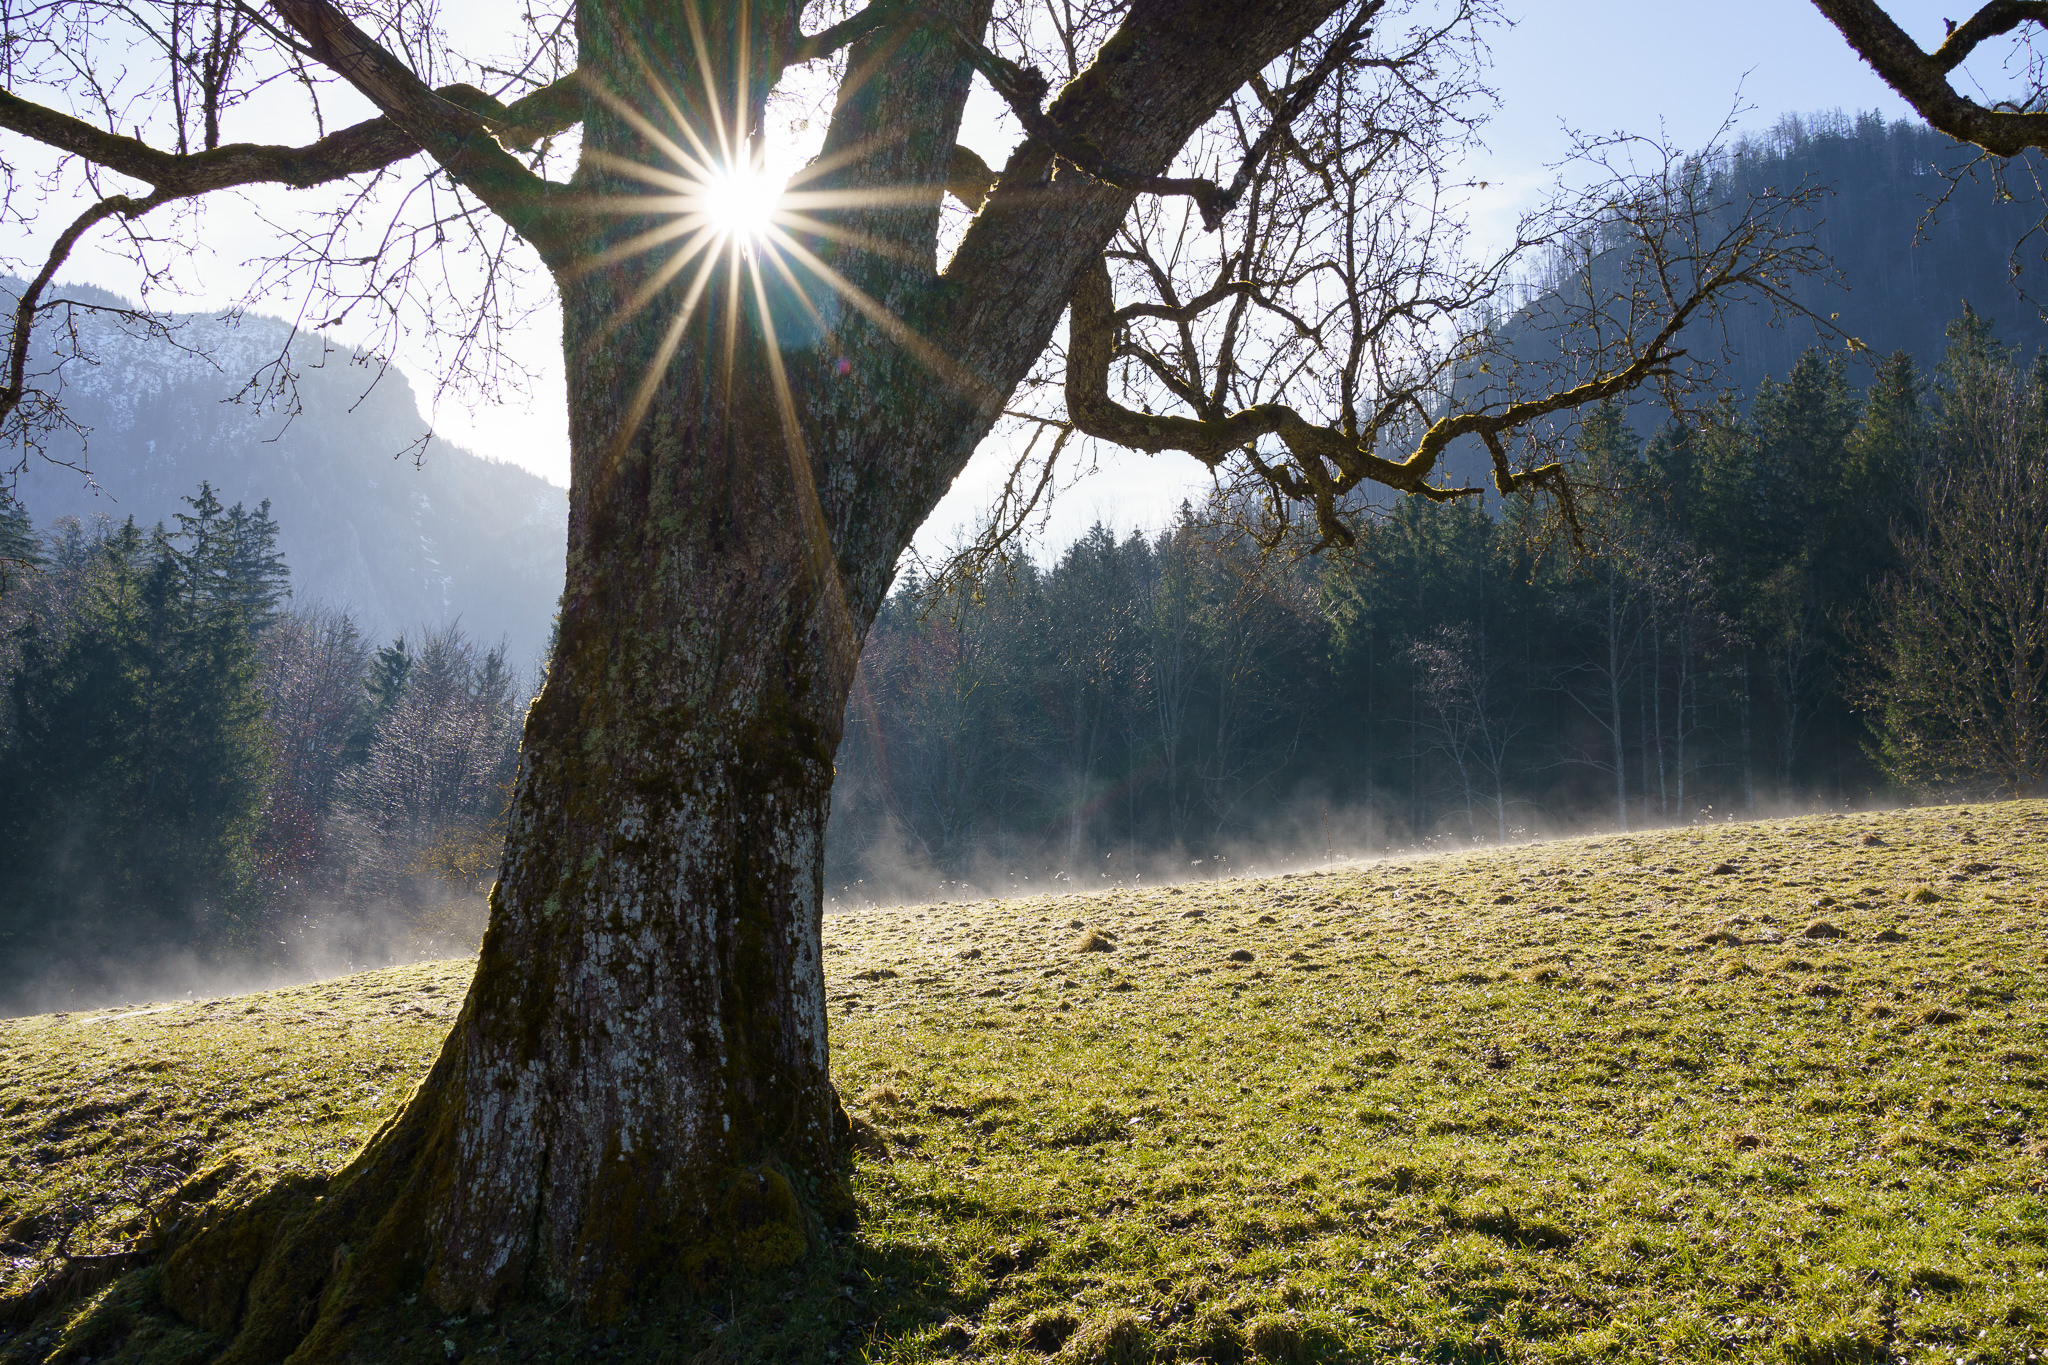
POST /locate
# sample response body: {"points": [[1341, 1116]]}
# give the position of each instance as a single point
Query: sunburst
{"points": [[723, 221], [741, 203]]}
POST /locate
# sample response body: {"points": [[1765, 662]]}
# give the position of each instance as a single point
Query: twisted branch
{"points": [[1325, 463], [1921, 78]]}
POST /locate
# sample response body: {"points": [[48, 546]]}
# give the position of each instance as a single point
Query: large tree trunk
{"points": [[636, 1088], [635, 1094], [642, 1071]]}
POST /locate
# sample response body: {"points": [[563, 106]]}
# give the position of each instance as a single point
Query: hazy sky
{"points": [[1596, 65]]}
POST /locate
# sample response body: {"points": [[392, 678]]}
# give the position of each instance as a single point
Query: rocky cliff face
{"points": [[403, 535]]}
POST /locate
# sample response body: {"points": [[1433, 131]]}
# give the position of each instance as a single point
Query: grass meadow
{"points": [[1773, 1091]]}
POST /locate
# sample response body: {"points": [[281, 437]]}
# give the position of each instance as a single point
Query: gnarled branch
{"points": [[458, 137], [1325, 463], [1921, 78]]}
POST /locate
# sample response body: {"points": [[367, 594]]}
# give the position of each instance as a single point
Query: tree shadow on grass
{"points": [[846, 1296]]}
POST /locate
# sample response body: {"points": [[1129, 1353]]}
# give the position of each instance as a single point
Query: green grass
{"points": [[1490, 1106]]}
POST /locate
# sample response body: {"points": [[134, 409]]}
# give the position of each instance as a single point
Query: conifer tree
{"points": [[258, 579], [136, 768], [19, 550]]}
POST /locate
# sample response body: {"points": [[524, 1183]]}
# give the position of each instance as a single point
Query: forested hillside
{"points": [[1914, 227], [1911, 227], [1167, 701], [1759, 625], [202, 779], [195, 765], [370, 519]]}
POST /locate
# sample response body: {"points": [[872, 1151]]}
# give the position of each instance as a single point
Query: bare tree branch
{"points": [[367, 146], [459, 138], [845, 33], [29, 304], [1673, 254], [1998, 17], [1024, 89], [1921, 78]]}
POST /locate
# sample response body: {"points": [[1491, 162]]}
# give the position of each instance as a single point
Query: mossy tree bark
{"points": [[636, 1088]]}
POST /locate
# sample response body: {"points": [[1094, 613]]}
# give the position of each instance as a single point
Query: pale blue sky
{"points": [[1597, 65]]}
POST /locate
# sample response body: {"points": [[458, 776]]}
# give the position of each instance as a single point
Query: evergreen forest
{"points": [[1830, 594], [1828, 591], [198, 776]]}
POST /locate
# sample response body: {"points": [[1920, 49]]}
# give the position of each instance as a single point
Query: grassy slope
{"points": [[1499, 1105]]}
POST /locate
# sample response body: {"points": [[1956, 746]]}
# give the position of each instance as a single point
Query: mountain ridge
{"points": [[402, 543]]}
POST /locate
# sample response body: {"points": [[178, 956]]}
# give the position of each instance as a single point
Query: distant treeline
{"points": [[1829, 594], [1821, 597], [190, 765]]}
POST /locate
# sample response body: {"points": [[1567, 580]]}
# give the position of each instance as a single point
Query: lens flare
{"points": [[723, 220], [740, 203], [719, 219]]}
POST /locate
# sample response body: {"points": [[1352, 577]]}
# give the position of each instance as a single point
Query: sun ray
{"points": [[867, 242], [739, 153], [711, 209], [654, 284], [803, 298], [661, 93], [643, 396], [637, 205], [710, 77], [735, 254], [646, 127], [938, 362], [687, 185], [818, 550], [634, 245], [851, 152], [875, 197]]}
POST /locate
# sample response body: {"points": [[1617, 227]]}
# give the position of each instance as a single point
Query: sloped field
{"points": [[1761, 1091]]}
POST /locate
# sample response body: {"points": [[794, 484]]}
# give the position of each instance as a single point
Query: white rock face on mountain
{"points": [[403, 542]]}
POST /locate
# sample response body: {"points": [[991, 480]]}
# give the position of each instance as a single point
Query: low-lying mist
{"points": [[310, 944], [1303, 835], [322, 940]]}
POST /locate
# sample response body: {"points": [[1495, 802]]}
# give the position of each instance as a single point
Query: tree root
{"points": [[280, 1276], [297, 1273]]}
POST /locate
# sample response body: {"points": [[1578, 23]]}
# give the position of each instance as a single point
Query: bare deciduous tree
{"points": [[1240, 202], [1467, 717], [1962, 698], [429, 796], [314, 660]]}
